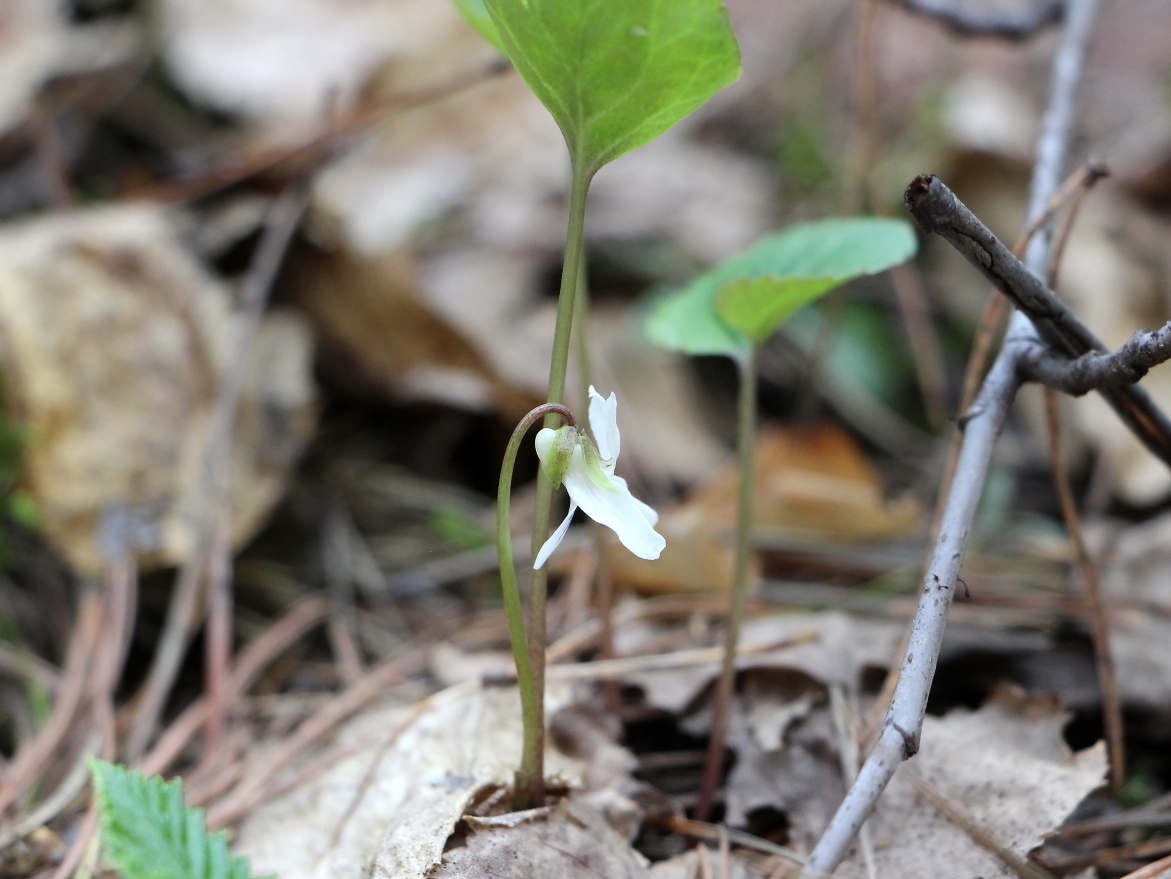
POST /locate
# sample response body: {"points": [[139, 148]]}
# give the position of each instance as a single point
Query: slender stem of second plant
{"points": [[559, 365], [531, 709], [746, 433]]}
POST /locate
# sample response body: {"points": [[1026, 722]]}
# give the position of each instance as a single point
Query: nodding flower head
{"points": [[586, 468]]}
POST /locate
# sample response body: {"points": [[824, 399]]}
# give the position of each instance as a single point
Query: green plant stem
{"points": [[746, 428], [535, 750], [532, 712]]}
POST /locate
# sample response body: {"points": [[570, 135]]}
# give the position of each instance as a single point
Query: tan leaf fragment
{"points": [[812, 484], [571, 841], [113, 341], [404, 778], [1008, 768]]}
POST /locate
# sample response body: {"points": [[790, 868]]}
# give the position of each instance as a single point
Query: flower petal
{"points": [[647, 510], [555, 538], [617, 509], [604, 425]]}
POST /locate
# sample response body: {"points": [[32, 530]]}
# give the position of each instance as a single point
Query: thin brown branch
{"points": [[210, 505], [30, 760], [966, 22], [1159, 869], [938, 211], [262, 651], [1099, 621]]}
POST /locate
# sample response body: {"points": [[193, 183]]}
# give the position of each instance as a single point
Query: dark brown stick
{"points": [[938, 211]]}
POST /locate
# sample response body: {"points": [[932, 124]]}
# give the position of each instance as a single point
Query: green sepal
{"points": [[593, 464], [556, 452]]}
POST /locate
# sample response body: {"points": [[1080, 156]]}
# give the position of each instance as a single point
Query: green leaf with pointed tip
{"points": [[616, 74], [476, 14], [745, 299]]}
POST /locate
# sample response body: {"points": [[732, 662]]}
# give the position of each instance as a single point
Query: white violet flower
{"points": [[569, 456]]}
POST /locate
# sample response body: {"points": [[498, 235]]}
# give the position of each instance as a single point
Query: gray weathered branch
{"points": [[1095, 371], [899, 738], [964, 22], [938, 210]]}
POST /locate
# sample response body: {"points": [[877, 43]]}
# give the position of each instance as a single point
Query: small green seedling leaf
{"points": [[148, 833], [755, 307], [744, 300], [616, 74], [476, 14]]}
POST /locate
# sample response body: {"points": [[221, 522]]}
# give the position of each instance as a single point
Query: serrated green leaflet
{"points": [[616, 74], [148, 833], [745, 299], [476, 14]]}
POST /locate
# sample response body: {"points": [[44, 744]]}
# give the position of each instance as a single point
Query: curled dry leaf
{"points": [[405, 776], [114, 341]]}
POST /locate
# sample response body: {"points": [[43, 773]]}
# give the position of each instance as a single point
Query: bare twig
{"points": [[251, 662], [981, 835], [369, 687], [1159, 869], [711, 833], [30, 760], [938, 210], [1096, 371], [899, 738], [182, 614], [984, 23], [337, 558], [923, 342], [56, 802], [218, 634], [1099, 621]]}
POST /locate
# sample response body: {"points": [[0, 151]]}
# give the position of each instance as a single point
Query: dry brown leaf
{"points": [[405, 776], [248, 57], [1006, 766], [686, 866], [845, 647], [37, 43], [810, 484], [377, 332], [114, 340], [571, 841]]}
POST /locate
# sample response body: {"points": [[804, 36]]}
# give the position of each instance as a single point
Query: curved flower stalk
{"points": [[587, 471]]}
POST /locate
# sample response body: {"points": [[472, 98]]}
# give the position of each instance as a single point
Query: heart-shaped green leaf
{"points": [[744, 300], [755, 307], [617, 73], [476, 14]]}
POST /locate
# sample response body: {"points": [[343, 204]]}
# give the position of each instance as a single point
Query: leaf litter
{"points": [[449, 198]]}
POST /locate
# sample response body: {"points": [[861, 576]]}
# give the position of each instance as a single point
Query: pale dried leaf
{"points": [[403, 779], [811, 484], [686, 866], [249, 56], [1006, 766], [845, 647], [568, 842], [114, 343]]}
